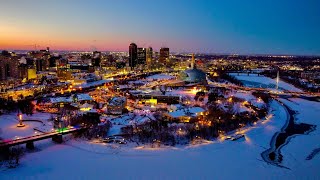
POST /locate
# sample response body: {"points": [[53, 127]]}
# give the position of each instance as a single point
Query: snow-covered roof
{"points": [[160, 76], [84, 97], [81, 97], [86, 105], [192, 112], [60, 100], [116, 101], [92, 84]]}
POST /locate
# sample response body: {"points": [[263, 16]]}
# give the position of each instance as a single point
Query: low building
{"points": [[116, 105], [186, 114], [64, 73], [154, 98]]}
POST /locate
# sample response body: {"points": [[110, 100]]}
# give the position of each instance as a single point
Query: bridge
{"points": [[246, 72], [56, 137]]}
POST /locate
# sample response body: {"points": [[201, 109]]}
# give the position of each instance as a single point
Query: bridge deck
{"points": [[13, 142]]}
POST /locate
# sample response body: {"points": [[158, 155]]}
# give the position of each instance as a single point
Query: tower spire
{"points": [[277, 80], [192, 62]]}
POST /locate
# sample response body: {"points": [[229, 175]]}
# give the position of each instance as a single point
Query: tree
{"points": [[26, 106], [163, 89], [212, 97], [14, 156], [264, 96]]}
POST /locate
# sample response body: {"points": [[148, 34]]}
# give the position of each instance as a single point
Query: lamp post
{"points": [[20, 120]]}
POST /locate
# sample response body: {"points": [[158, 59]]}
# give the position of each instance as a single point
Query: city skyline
{"points": [[232, 27]]}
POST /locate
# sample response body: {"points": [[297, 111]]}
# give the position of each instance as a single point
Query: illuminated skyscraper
{"points": [[149, 54], [96, 58], [133, 55], [164, 55], [141, 53], [8, 66]]}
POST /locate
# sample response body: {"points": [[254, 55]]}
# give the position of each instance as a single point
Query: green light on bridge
{"points": [[60, 130]]}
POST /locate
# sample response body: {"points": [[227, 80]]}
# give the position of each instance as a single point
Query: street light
{"points": [[20, 120]]}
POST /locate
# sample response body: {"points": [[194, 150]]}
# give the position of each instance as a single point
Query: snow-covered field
{"points": [[220, 159], [160, 76], [216, 160], [9, 129], [253, 80]]}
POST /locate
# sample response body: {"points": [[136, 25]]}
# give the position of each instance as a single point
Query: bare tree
{"points": [[14, 157]]}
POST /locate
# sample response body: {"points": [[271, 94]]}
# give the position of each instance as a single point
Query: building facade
{"points": [[164, 55], [133, 55], [9, 67], [149, 57]]}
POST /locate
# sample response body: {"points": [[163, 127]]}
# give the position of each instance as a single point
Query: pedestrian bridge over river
{"points": [[29, 141]]}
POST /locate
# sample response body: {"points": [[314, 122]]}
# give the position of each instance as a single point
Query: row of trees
{"points": [[231, 79], [217, 121], [25, 105], [92, 122], [8, 105], [150, 132]]}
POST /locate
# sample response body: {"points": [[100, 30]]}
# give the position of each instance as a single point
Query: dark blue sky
{"points": [[215, 26]]}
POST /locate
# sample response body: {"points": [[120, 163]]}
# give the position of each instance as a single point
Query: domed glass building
{"points": [[193, 76]]}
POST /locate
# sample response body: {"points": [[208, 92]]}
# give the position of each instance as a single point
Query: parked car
{"points": [[237, 136], [228, 138], [114, 139], [234, 137]]}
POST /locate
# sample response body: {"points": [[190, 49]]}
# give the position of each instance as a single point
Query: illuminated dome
{"points": [[193, 76]]}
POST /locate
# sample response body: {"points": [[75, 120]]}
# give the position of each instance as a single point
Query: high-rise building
{"points": [[164, 55], [141, 54], [39, 64], [8, 66], [149, 57], [39, 59], [133, 55], [23, 71], [96, 58]]}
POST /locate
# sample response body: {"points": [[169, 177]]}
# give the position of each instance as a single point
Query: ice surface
{"points": [[217, 160]]}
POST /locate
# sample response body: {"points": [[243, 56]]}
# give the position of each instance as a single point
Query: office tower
{"points": [[141, 53], [9, 66], [96, 58], [39, 66], [149, 57], [133, 55], [164, 55]]}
